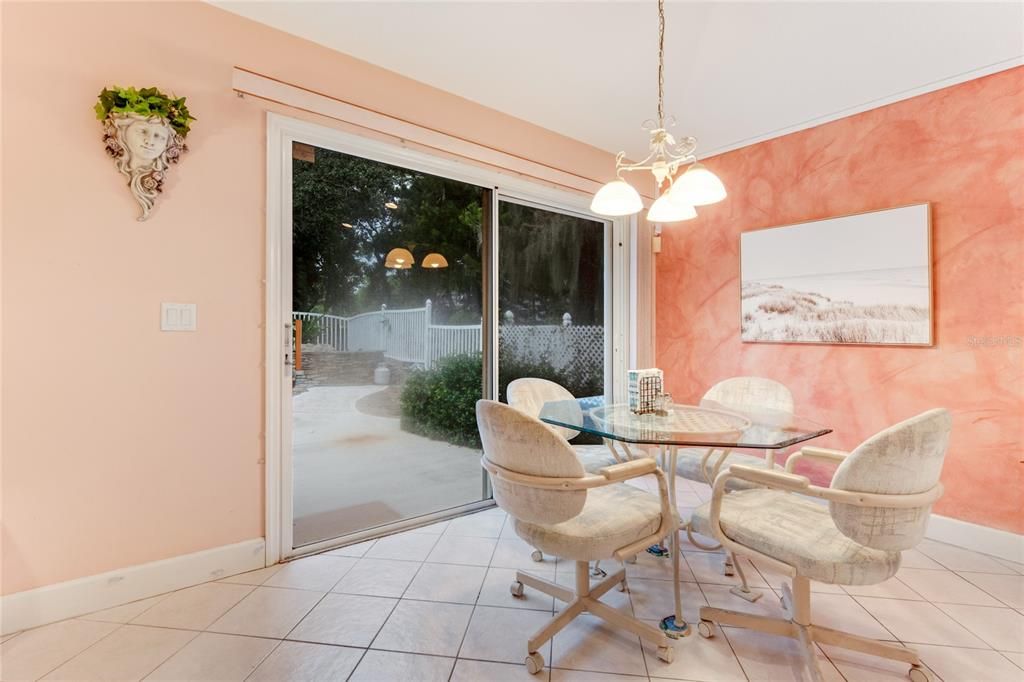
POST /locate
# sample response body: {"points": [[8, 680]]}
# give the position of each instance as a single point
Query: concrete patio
{"points": [[354, 470]]}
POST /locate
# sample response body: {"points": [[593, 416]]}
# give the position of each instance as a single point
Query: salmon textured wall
{"points": [[960, 148], [123, 445]]}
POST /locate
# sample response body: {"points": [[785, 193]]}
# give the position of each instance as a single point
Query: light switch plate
{"points": [[178, 317]]}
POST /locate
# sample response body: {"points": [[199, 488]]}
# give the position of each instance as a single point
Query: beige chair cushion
{"points": [[594, 457], [798, 532], [689, 461], [613, 517]]}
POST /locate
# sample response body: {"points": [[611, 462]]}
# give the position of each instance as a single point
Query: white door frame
{"points": [[282, 131]]}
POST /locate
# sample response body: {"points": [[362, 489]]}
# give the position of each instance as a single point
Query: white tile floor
{"points": [[433, 604]]}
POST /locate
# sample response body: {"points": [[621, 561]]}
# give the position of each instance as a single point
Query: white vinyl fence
{"points": [[410, 336]]}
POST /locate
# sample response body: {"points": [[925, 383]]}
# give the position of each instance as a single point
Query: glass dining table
{"points": [[714, 429]]}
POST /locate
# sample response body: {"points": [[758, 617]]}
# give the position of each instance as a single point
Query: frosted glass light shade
{"points": [[664, 210], [697, 187], [617, 198], [434, 261], [399, 259]]}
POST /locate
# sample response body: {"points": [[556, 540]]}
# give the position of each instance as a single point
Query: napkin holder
{"points": [[645, 385]]}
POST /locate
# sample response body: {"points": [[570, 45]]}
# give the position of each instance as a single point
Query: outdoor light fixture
{"points": [[697, 186], [399, 259], [392, 205], [348, 225], [434, 261]]}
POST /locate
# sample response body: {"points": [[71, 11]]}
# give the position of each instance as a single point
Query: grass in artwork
{"points": [[772, 312]]}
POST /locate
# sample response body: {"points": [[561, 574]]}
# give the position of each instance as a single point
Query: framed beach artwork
{"points": [[856, 279]]}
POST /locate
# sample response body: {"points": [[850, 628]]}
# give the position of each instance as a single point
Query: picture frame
{"points": [[856, 279]]}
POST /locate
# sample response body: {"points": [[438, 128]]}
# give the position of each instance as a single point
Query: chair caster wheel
{"points": [[598, 572], [534, 663], [666, 654], [516, 588], [537, 555], [919, 674], [706, 629]]}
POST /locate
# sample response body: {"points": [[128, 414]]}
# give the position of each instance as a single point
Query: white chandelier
{"points": [[697, 186]]}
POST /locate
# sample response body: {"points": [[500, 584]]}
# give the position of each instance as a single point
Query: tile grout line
{"points": [[392, 611], [1003, 654], [74, 656], [817, 645], [964, 549], [969, 581], [472, 613], [727, 640], [261, 661], [279, 640], [701, 586], [913, 644], [469, 621], [169, 656]]}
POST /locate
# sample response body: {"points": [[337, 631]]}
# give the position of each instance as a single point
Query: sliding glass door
{"points": [[387, 296], [412, 295], [552, 283]]}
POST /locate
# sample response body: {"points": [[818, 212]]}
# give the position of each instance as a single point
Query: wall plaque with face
{"points": [[143, 148]]}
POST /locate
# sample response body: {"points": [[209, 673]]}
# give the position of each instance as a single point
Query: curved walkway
{"points": [[353, 470]]}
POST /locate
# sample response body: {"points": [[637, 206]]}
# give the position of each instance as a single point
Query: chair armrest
{"points": [[802, 485], [815, 453], [631, 469], [770, 479], [883, 500]]}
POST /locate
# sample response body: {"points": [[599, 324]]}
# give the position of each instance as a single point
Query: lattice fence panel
{"points": [[560, 346]]}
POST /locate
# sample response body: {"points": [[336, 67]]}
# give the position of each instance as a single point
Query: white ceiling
{"points": [[735, 72]]}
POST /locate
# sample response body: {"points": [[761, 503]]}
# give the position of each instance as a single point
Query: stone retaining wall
{"points": [[349, 368]]}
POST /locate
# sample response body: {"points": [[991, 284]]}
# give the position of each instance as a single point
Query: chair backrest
{"points": [[528, 395], [904, 458], [523, 444], [752, 392]]}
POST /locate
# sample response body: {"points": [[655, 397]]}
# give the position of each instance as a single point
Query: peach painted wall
{"points": [[121, 444], [961, 148]]}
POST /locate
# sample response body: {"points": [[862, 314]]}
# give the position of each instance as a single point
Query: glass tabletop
{"points": [[709, 424]]}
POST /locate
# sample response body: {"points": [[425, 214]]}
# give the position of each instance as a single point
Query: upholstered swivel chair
{"points": [[528, 395], [878, 505], [740, 393], [702, 465], [578, 516]]}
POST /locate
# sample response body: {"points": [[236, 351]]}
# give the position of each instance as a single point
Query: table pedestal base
{"points": [[674, 629]]}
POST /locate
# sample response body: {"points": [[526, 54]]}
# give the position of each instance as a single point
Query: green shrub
{"points": [[440, 402], [310, 330]]}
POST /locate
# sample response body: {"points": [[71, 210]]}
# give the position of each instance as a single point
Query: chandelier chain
{"points": [[661, 63]]}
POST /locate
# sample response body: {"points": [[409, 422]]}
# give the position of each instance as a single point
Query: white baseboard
{"points": [[51, 603], [991, 541], [78, 597]]}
